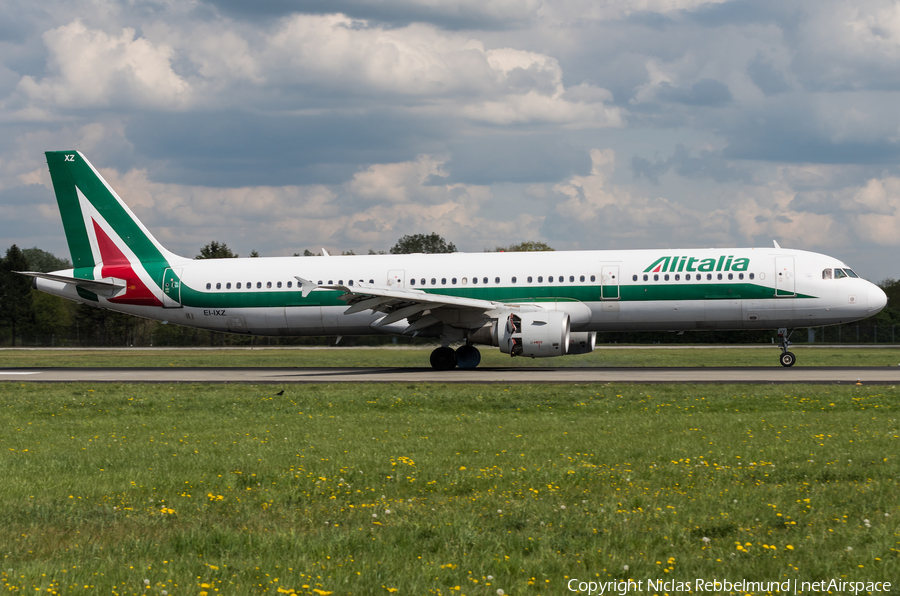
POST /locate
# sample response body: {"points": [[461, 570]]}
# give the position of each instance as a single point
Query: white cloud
{"points": [[89, 68], [442, 73]]}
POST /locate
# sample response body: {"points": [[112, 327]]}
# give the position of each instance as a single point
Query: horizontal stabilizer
{"points": [[105, 287]]}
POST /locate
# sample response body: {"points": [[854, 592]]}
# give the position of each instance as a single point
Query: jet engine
{"points": [[582, 342], [534, 334]]}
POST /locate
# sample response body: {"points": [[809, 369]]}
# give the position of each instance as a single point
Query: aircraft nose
{"points": [[877, 299]]}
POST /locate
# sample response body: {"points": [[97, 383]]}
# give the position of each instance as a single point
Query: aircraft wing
{"points": [[402, 303]]}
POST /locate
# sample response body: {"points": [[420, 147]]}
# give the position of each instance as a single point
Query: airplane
{"points": [[534, 304]]}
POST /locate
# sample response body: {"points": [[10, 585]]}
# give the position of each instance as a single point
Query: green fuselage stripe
{"points": [[544, 293]]}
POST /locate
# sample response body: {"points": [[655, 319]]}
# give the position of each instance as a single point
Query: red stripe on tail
{"points": [[116, 264]]}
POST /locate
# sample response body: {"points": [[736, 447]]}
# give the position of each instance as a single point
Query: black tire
{"points": [[443, 359], [468, 357], [787, 359]]}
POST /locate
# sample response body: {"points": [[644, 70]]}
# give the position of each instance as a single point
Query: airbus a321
{"points": [[536, 304]]}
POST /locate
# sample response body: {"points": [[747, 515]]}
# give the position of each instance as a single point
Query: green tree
{"points": [[216, 250], [527, 246], [253, 254], [422, 243], [43, 261], [16, 309]]}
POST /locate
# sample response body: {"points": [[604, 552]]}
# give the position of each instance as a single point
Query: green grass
{"points": [[442, 489], [418, 357]]}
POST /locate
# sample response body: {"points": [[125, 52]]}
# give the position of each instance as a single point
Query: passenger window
{"points": [[540, 279], [730, 276], [484, 280], [279, 284], [708, 276], [740, 276], [259, 284], [719, 276], [687, 277], [422, 281], [290, 283], [474, 280], [208, 286], [677, 277], [826, 273], [646, 277], [582, 278], [250, 285], [465, 281], [228, 286], [634, 277], [340, 282], [268, 284], [529, 279], [752, 276], [349, 283], [218, 286], [238, 285], [550, 279], [571, 278], [656, 277], [320, 283], [371, 281], [412, 281], [593, 278], [453, 281], [329, 283], [433, 281], [667, 277], [496, 280], [514, 279], [443, 281]]}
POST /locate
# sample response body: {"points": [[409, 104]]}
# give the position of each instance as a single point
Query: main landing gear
{"points": [[787, 359], [446, 358]]}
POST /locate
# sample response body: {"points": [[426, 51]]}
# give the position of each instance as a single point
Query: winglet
{"points": [[325, 252], [306, 286], [775, 242]]}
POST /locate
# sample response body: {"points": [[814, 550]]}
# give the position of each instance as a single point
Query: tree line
{"points": [[32, 318]]}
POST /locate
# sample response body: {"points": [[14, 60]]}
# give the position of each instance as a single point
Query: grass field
{"points": [[443, 489], [418, 357]]}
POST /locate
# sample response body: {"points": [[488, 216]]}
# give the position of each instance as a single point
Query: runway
{"points": [[281, 376]]}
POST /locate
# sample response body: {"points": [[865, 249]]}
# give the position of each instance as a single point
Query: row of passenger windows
{"points": [[838, 273], [277, 284], [485, 280], [826, 274], [697, 276]]}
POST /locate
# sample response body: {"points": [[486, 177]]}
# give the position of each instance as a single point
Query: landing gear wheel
{"points": [[468, 357], [787, 359], [443, 359]]}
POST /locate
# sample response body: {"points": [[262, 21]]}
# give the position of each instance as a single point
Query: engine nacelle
{"points": [[534, 334], [582, 342]]}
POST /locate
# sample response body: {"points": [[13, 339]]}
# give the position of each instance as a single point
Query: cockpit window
{"points": [[850, 272], [826, 273], [839, 273]]}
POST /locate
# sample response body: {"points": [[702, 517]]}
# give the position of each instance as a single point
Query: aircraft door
{"points": [[609, 282], [784, 277], [397, 278], [172, 288]]}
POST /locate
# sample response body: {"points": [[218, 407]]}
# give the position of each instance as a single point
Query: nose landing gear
{"points": [[787, 359]]}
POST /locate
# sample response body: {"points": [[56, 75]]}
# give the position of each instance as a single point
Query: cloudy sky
{"points": [[288, 125]]}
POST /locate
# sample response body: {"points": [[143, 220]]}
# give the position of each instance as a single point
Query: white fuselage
{"points": [[627, 290]]}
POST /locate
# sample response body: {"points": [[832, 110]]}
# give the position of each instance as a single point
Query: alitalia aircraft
{"points": [[526, 304]]}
